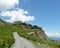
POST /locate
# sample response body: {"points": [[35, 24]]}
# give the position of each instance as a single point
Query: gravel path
{"points": [[21, 42]]}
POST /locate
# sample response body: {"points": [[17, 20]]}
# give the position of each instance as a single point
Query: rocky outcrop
{"points": [[38, 30], [39, 33], [26, 26]]}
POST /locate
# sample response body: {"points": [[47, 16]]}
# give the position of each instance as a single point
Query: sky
{"points": [[44, 13]]}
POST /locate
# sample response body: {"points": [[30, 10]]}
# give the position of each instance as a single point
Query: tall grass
{"points": [[7, 39], [6, 35]]}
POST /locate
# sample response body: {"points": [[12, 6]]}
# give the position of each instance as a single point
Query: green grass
{"points": [[6, 36], [7, 39], [35, 39]]}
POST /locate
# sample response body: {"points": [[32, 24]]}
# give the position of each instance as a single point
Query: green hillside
{"points": [[7, 39], [6, 36]]}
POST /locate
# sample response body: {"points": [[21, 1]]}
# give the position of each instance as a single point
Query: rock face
{"points": [[38, 30], [26, 26], [41, 34]]}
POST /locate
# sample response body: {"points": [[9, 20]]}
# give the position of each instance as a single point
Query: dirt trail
{"points": [[21, 42]]}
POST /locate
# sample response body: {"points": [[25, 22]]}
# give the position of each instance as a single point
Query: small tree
{"points": [[35, 27]]}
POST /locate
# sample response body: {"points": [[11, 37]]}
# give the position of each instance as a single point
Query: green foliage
{"points": [[36, 27], [6, 36], [36, 39], [7, 39]]}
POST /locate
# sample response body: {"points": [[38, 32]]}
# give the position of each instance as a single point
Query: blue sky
{"points": [[46, 13]]}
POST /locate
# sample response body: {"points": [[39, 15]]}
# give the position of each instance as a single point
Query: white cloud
{"points": [[53, 34], [26, 12], [17, 15], [7, 4]]}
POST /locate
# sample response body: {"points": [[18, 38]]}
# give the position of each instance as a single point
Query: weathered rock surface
{"points": [[39, 33]]}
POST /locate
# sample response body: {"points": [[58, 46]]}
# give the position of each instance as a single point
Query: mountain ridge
{"points": [[7, 39]]}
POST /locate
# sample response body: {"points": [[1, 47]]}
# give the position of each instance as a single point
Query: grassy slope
{"points": [[7, 39], [35, 39], [6, 36]]}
